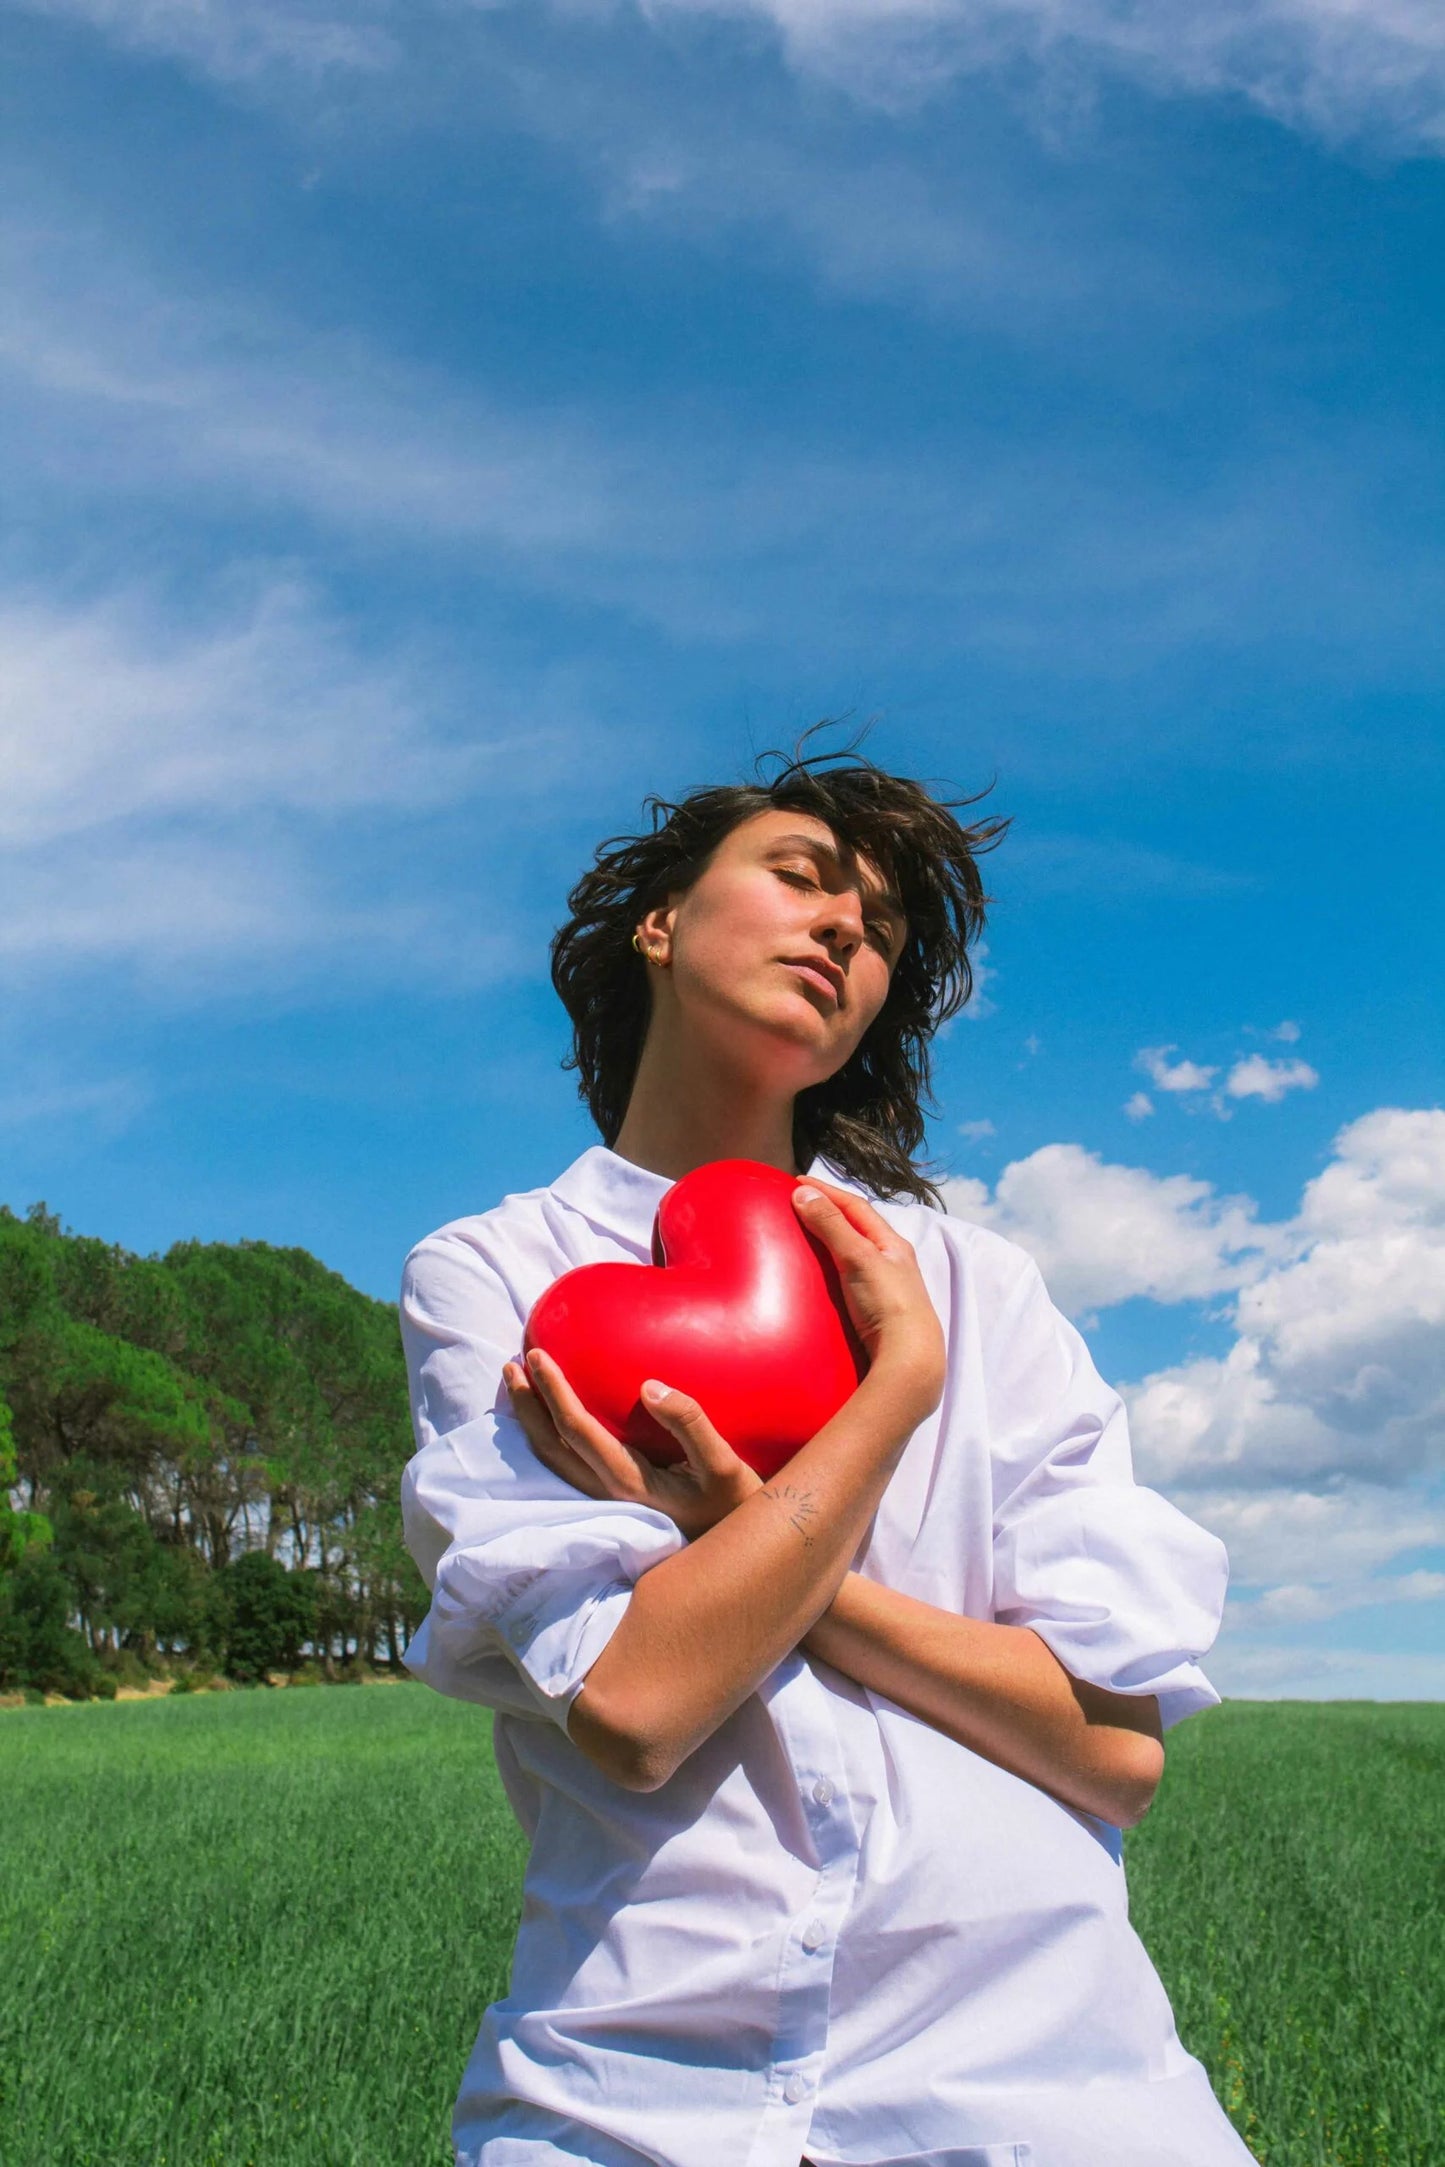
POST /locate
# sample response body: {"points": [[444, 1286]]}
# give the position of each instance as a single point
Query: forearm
{"points": [[999, 1690], [704, 1627]]}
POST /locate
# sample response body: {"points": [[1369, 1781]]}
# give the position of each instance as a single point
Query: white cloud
{"points": [[1254, 1077], [1139, 1107], [1314, 1445], [1339, 1363], [1102, 1234], [1287, 1033], [1337, 1368], [1169, 1075], [1338, 67], [976, 1131]]}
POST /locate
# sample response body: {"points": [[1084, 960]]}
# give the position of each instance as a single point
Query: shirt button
{"points": [[823, 1791], [795, 2089], [815, 1933]]}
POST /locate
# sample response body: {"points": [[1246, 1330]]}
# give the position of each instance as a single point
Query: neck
{"points": [[688, 1106]]}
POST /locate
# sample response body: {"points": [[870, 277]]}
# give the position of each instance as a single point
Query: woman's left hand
{"points": [[695, 1492]]}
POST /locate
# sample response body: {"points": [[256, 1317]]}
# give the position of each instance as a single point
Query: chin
{"points": [[817, 1050]]}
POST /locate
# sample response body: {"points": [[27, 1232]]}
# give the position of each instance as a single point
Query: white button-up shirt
{"points": [[834, 1930]]}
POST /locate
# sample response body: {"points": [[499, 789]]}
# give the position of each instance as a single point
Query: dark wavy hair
{"points": [[867, 1119]]}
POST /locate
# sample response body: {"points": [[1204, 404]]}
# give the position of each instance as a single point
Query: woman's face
{"points": [[782, 949]]}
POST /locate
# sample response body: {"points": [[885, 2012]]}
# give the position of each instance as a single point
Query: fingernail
{"points": [[652, 1390], [808, 1196], [533, 1359]]}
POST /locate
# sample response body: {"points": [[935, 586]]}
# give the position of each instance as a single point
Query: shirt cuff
{"points": [[1123, 1587], [554, 1639]]}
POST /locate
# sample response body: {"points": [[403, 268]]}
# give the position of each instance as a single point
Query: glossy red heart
{"points": [[742, 1309]]}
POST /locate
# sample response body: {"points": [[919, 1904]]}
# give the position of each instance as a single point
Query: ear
{"points": [[655, 929]]}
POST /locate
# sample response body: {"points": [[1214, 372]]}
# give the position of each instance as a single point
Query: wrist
{"points": [[909, 1377]]}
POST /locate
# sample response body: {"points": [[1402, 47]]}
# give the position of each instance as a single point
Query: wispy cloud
{"points": [[1264, 1671], [1340, 68], [237, 41], [108, 1104], [1310, 1602], [185, 791], [113, 710], [212, 409], [155, 391]]}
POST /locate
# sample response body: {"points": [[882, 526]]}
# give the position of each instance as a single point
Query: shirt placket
{"points": [[809, 1736]]}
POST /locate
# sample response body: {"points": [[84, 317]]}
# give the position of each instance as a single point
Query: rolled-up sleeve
{"points": [[529, 1578], [1125, 1589]]}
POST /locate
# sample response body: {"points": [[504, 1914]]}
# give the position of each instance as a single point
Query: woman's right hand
{"points": [[883, 1288], [695, 1492]]}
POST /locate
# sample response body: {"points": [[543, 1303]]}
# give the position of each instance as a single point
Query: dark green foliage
{"points": [[264, 1614], [162, 1416], [37, 1643], [259, 1930], [19, 1531]]}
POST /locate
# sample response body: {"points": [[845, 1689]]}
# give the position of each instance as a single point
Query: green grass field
{"points": [[259, 1929]]}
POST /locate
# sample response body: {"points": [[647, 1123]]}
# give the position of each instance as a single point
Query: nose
{"points": [[839, 923]]}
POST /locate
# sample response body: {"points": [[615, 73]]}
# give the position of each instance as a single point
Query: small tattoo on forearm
{"points": [[798, 1504]]}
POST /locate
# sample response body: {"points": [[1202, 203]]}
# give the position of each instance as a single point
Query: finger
{"points": [[707, 1453], [848, 1225], [541, 1434], [580, 1430]]}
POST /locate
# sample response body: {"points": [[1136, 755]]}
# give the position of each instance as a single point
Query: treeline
{"points": [[199, 1465]]}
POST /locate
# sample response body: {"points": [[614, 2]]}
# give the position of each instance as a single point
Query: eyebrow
{"points": [[815, 845]]}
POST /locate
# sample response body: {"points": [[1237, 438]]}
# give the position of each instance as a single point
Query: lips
{"points": [[816, 972]]}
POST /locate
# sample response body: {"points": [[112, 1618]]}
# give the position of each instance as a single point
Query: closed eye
{"points": [[878, 929]]}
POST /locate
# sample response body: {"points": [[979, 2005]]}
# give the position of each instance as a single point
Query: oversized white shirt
{"points": [[834, 1930]]}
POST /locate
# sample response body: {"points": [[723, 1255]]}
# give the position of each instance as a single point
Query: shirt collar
{"points": [[622, 1198], [613, 1193]]}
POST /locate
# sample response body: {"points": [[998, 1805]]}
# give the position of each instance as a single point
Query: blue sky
{"points": [[426, 431]]}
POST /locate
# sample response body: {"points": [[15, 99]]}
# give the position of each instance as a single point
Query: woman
{"points": [[823, 1776]]}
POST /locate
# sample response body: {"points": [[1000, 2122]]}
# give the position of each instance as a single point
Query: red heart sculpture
{"points": [[741, 1308]]}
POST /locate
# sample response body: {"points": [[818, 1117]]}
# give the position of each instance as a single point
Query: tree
{"points": [[19, 1531], [164, 1416], [265, 1614], [38, 1646]]}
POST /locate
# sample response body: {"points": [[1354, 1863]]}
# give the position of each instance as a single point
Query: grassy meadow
{"points": [[258, 1929]]}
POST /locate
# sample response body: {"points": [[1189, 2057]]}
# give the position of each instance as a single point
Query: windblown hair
{"points": [[867, 1119]]}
